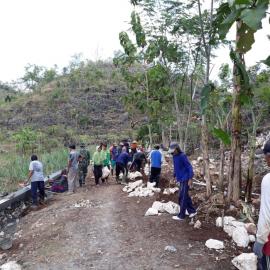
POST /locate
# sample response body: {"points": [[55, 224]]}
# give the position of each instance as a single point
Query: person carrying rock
{"points": [[183, 172], [155, 161], [84, 163], [98, 163], [72, 169], [106, 156], [262, 245], [121, 166], [37, 181]]}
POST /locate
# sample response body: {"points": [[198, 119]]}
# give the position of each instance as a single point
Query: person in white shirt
{"points": [[262, 245], [37, 180]]}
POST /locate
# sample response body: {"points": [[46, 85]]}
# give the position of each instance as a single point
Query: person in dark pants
{"points": [[156, 161], [98, 163], [262, 245], [37, 181], [183, 172], [139, 161], [121, 166]]}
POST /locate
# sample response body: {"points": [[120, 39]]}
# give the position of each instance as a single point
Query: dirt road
{"points": [[110, 233]]}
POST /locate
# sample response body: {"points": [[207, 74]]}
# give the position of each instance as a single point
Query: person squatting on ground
{"points": [[83, 164], [113, 152], [121, 166], [98, 163], [37, 181], [155, 158], [72, 169], [262, 245], [106, 156], [183, 173]]}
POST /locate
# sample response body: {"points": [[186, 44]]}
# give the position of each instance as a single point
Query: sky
{"points": [[48, 32]]}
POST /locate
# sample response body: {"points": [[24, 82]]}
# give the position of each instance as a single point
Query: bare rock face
{"points": [[245, 261]]}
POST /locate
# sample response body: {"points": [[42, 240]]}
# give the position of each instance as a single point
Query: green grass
{"points": [[14, 168]]}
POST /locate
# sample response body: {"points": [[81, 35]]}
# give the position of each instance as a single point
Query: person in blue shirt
{"points": [[121, 165], [183, 172], [156, 161]]}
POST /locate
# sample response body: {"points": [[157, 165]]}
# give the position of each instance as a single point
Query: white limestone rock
{"points": [[240, 237], [151, 212], [245, 261], [214, 244], [12, 265], [171, 208]]}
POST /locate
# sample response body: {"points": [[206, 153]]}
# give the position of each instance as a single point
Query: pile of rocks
{"points": [[161, 207], [241, 233], [139, 189]]}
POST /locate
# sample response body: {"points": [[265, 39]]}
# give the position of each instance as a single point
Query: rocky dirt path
{"points": [[110, 232]]}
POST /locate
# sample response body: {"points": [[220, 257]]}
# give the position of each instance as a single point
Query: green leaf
{"points": [[205, 94], [227, 23], [242, 2], [267, 61], [252, 17], [246, 38], [222, 135], [240, 68]]}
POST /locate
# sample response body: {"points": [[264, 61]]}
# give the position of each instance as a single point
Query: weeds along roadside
{"points": [[14, 167]]}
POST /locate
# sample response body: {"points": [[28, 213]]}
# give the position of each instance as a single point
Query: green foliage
{"points": [[26, 140], [15, 169], [222, 135], [267, 61], [249, 12], [205, 94]]}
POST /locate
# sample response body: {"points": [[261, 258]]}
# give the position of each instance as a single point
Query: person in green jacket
{"points": [[106, 159], [98, 164]]}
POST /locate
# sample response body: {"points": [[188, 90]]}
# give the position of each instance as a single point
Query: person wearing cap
{"points": [[156, 162], [84, 161], [72, 169], [262, 244], [183, 172], [98, 163]]}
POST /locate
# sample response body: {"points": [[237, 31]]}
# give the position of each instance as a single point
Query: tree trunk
{"points": [[163, 135], [221, 166], [178, 117], [235, 166], [252, 147], [150, 135]]}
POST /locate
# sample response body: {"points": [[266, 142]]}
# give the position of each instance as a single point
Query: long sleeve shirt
{"points": [[264, 216], [98, 158], [106, 157], [183, 170]]}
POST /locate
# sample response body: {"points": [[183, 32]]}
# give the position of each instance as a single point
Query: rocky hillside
{"points": [[86, 102]]}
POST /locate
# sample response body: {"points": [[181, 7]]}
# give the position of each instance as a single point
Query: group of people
{"points": [[124, 157]]}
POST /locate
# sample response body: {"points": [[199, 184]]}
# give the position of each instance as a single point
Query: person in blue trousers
{"points": [[183, 173]]}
